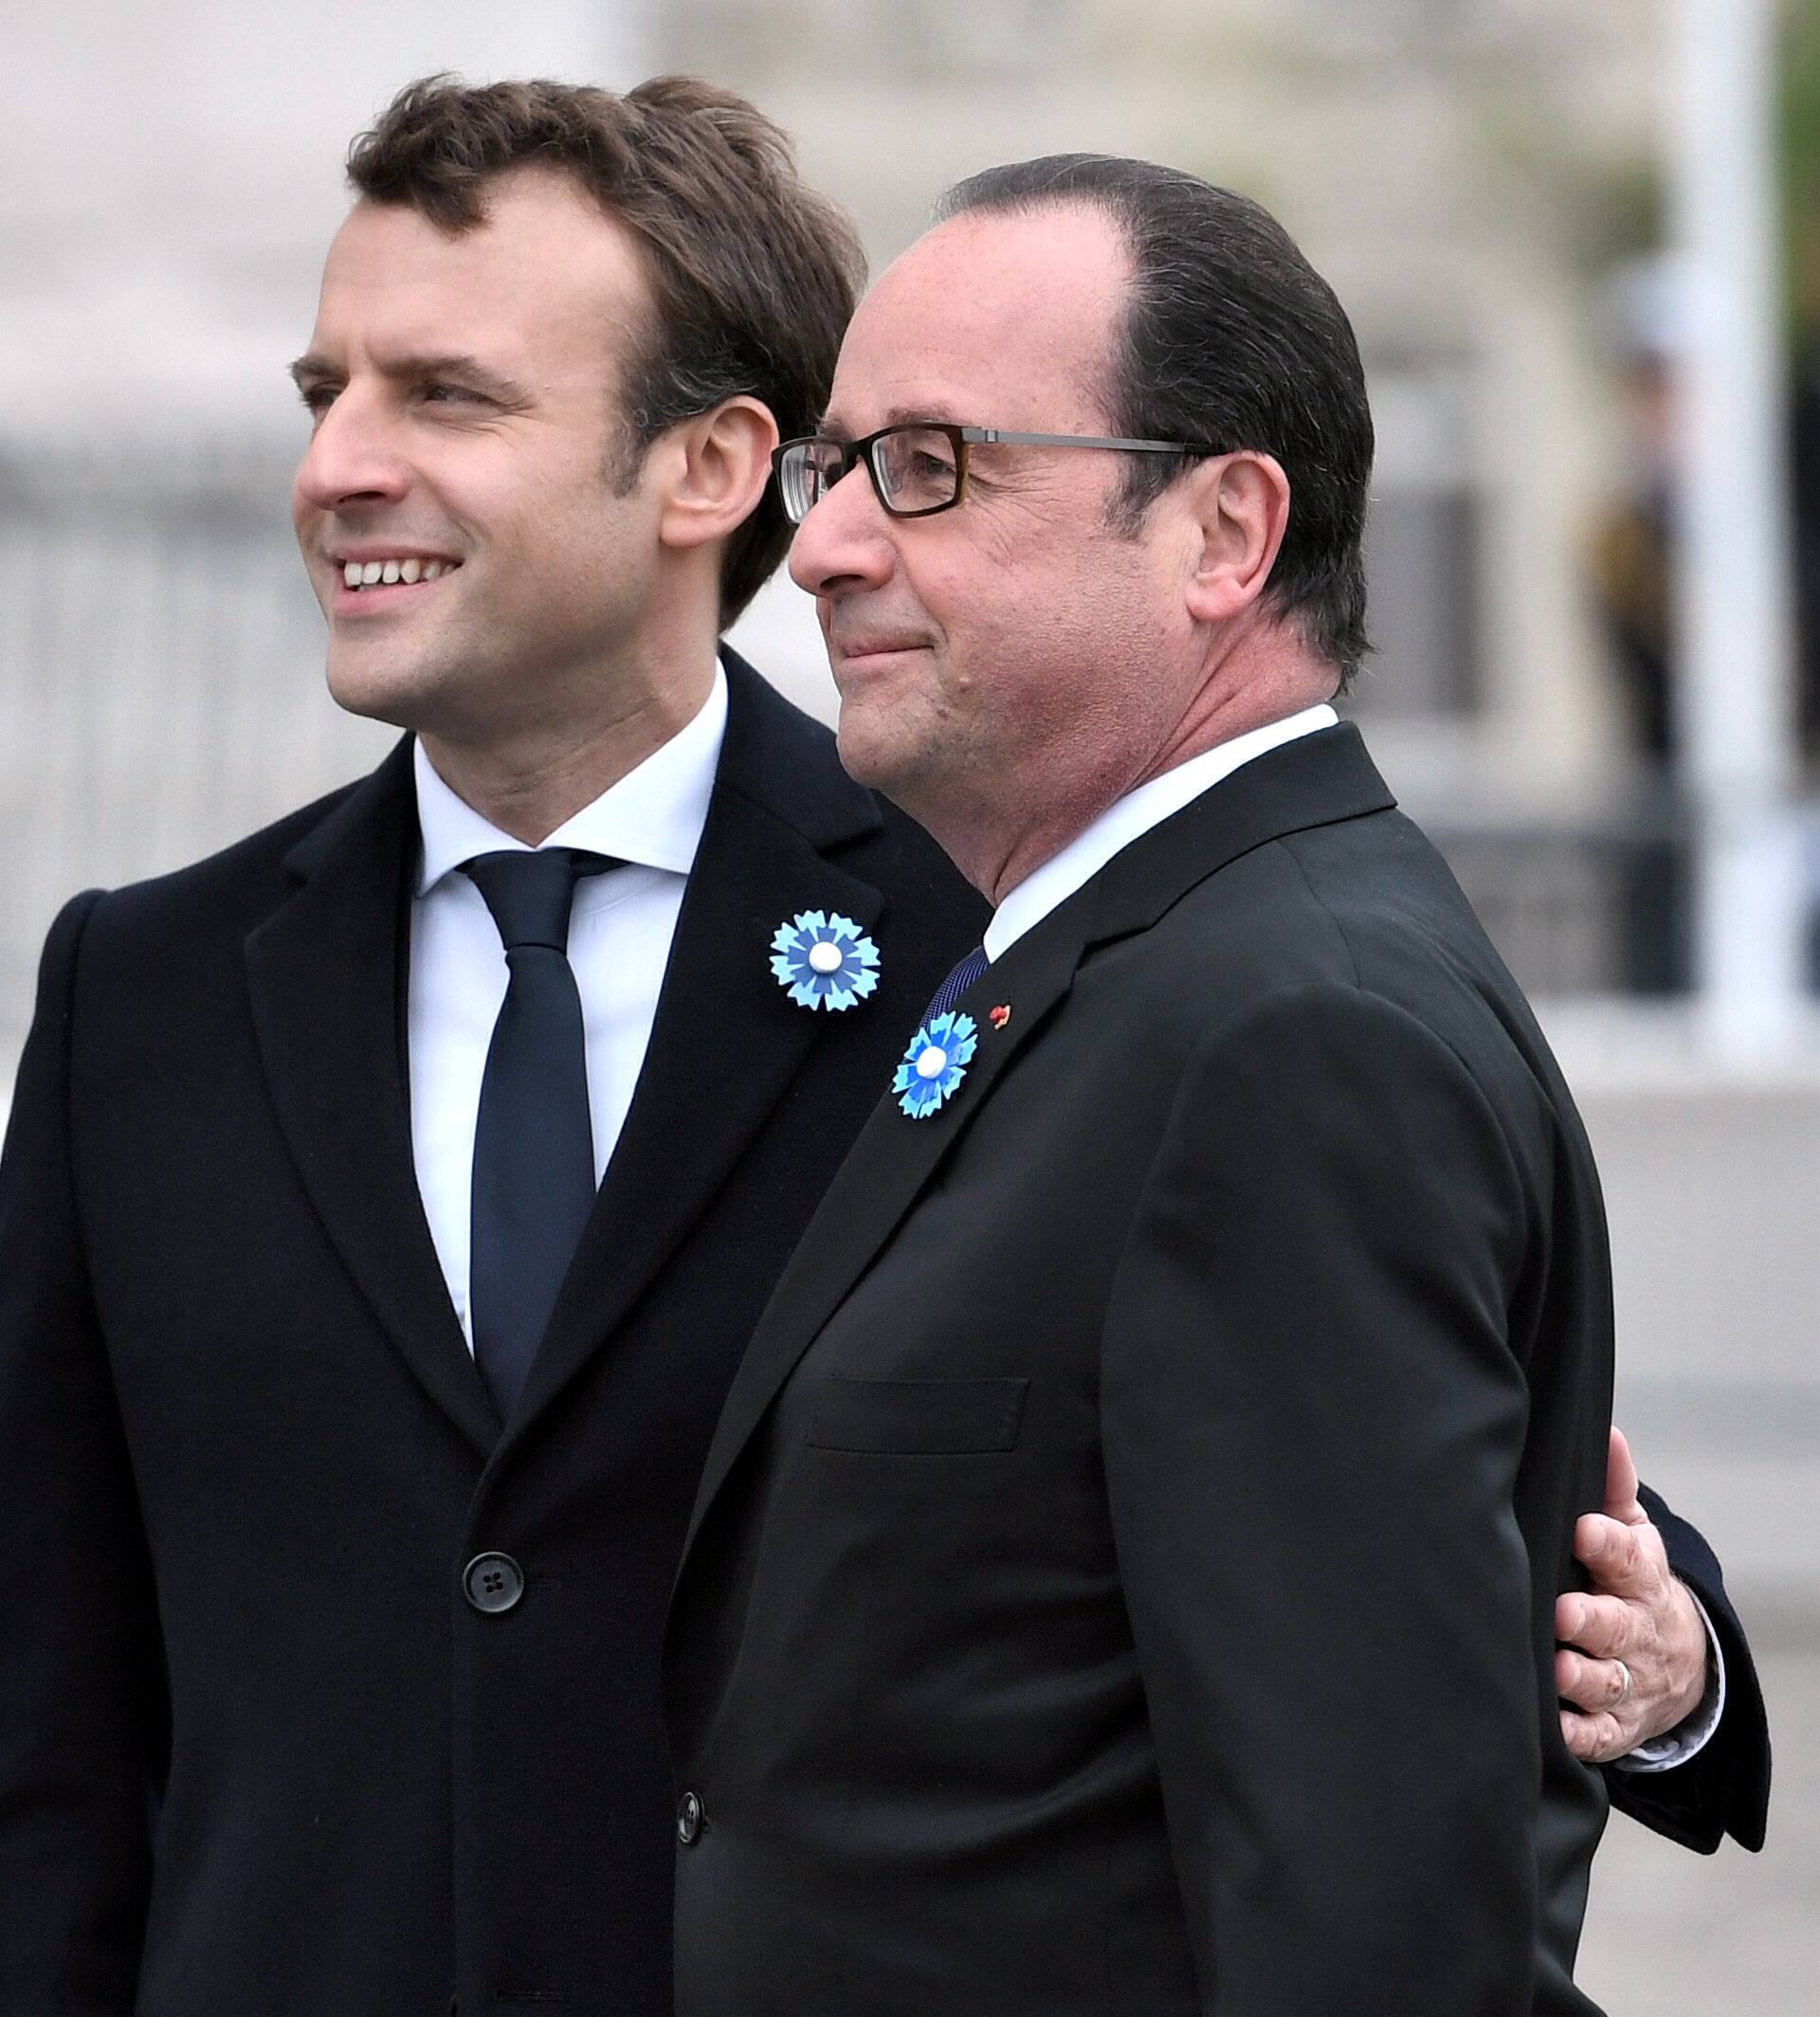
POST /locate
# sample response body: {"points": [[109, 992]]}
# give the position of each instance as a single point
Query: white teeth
{"points": [[369, 573]]}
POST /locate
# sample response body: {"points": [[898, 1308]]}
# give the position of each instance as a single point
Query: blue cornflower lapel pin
{"points": [[824, 960], [935, 1063]]}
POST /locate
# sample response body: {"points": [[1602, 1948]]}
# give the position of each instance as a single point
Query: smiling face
{"points": [[1009, 667], [464, 392]]}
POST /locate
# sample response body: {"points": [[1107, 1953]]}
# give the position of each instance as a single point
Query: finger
{"points": [[1590, 1684], [1597, 1739], [1621, 1500], [1569, 1616], [1609, 1629], [1618, 1557]]}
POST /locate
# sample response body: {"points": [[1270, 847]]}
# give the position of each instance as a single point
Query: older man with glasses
{"points": [[1123, 1574]]}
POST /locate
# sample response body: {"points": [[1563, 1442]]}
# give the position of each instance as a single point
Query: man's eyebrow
{"points": [[895, 416], [934, 410], [443, 364]]}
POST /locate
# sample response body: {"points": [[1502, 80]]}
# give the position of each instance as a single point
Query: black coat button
{"points": [[493, 1583], [689, 1818]]}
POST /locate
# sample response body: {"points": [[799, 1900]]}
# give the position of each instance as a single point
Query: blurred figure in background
{"points": [[1631, 573]]}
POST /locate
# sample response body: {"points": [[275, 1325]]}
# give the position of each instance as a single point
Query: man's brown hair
{"points": [[755, 276]]}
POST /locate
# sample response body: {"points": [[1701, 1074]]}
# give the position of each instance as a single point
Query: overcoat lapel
{"points": [[727, 1041], [324, 974], [1322, 778]]}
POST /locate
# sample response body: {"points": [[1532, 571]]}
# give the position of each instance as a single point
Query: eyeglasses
{"points": [[919, 466]]}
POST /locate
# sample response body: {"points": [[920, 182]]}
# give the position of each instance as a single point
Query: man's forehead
{"points": [[541, 264], [988, 307], [398, 325]]}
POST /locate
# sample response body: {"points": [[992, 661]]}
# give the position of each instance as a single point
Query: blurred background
{"points": [[1581, 245]]}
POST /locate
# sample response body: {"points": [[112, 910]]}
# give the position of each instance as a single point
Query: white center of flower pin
{"points": [[932, 1063], [825, 957]]}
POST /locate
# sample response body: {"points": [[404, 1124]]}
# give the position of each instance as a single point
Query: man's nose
{"points": [[353, 457], [843, 544]]}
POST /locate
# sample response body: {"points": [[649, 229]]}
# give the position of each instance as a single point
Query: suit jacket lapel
{"points": [[889, 1164], [1316, 781], [727, 1041], [325, 973]]}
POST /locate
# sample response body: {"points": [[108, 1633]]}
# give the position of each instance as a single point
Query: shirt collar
{"points": [[653, 815], [1132, 816]]}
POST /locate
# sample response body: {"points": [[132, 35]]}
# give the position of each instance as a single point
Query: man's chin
{"points": [[865, 753], [872, 755], [398, 694]]}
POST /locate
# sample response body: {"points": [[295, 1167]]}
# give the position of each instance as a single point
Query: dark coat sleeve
{"points": [[1724, 1789], [80, 1676], [1313, 1427]]}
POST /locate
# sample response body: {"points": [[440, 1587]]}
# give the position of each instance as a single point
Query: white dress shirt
{"points": [[1129, 819], [619, 946]]}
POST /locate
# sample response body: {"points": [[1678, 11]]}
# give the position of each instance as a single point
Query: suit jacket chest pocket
{"points": [[918, 1418]]}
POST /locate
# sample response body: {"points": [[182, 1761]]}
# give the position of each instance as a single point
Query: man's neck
{"points": [[537, 779], [1275, 685]]}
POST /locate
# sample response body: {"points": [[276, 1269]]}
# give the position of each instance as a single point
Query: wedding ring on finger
{"points": [[1624, 1692]]}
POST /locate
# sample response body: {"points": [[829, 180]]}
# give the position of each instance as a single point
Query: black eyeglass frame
{"points": [[961, 439]]}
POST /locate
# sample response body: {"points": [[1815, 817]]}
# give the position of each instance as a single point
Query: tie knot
{"points": [[530, 892]]}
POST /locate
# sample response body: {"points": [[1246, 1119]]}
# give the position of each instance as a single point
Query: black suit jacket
{"points": [[259, 1756], [1123, 1574]]}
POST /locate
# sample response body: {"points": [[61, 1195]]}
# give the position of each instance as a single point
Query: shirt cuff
{"points": [[1693, 1733]]}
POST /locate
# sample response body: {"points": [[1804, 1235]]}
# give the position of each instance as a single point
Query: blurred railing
{"points": [[1589, 907], [161, 677]]}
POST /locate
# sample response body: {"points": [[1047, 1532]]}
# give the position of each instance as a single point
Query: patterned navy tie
{"points": [[534, 1143], [957, 982]]}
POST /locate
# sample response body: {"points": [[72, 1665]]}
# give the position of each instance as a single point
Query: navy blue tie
{"points": [[957, 982], [534, 1143]]}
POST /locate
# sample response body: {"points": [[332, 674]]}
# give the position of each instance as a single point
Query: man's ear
{"points": [[1240, 510], [716, 469]]}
